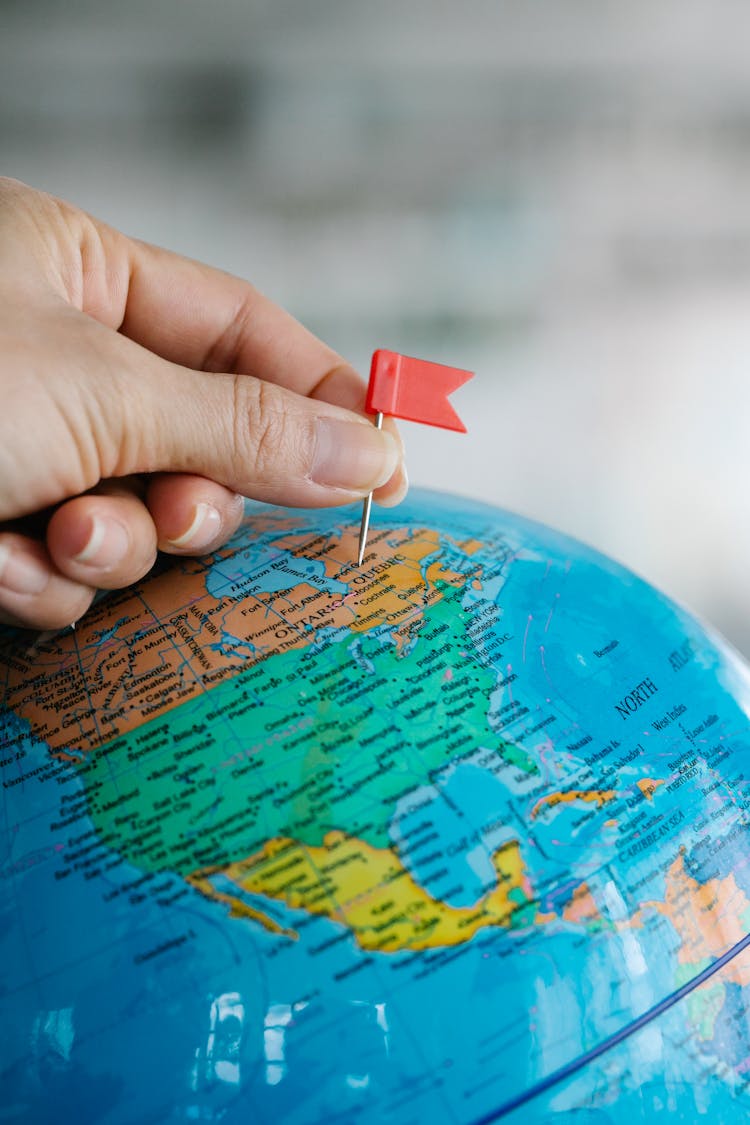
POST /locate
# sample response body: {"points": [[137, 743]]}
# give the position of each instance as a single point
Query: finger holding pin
{"points": [[415, 390]]}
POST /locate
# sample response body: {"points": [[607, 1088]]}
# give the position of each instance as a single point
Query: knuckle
{"points": [[12, 191], [225, 352]]}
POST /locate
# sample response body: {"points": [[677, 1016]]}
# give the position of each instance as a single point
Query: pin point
{"points": [[415, 390]]}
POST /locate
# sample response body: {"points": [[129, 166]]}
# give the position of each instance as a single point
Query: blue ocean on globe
{"points": [[459, 835]]}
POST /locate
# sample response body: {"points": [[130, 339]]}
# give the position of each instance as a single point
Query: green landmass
{"points": [[302, 743]]}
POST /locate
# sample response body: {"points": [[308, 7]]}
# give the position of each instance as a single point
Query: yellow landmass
{"points": [[237, 908], [369, 891], [601, 796], [709, 917]]}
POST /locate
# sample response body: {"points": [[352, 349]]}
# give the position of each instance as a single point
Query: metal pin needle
{"points": [[367, 508]]}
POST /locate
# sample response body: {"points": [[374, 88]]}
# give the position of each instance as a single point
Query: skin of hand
{"points": [[142, 395]]}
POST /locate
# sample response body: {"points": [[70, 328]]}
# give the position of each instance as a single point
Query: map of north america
{"points": [[475, 737]]}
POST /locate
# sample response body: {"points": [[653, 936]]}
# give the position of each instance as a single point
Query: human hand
{"points": [[142, 395]]}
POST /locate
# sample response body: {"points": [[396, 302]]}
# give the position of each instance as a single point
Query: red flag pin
{"points": [[415, 390]]}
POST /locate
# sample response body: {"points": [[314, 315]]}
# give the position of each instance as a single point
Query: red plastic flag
{"points": [[414, 389]]}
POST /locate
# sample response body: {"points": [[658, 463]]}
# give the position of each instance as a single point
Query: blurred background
{"points": [[556, 195]]}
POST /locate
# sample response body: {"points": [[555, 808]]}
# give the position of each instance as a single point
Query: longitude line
{"points": [[625, 1032]]}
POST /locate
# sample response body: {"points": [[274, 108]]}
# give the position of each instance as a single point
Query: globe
{"points": [[457, 835]]}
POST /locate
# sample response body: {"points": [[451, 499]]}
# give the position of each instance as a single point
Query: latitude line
{"points": [[614, 1040]]}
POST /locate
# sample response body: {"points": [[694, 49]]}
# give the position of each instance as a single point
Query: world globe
{"points": [[457, 835]]}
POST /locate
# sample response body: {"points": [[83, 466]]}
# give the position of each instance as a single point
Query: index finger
{"points": [[209, 320], [180, 309], [203, 318], [193, 315]]}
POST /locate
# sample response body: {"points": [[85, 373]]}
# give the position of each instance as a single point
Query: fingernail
{"points": [[22, 572], [107, 545], [356, 457], [204, 529], [398, 496]]}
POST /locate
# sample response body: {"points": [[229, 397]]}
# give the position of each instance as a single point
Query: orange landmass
{"points": [[709, 917], [579, 910], [89, 686], [470, 546], [601, 796], [582, 908], [648, 787], [376, 597]]}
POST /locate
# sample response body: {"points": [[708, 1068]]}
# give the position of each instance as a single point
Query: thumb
{"points": [[252, 436]]}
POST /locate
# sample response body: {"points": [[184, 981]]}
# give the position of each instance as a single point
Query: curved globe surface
{"points": [[460, 835]]}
